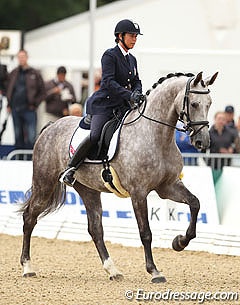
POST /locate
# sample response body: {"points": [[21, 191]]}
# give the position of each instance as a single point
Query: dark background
{"points": [[25, 15]]}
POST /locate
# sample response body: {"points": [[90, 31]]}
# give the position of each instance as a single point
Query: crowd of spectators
{"points": [[224, 141], [25, 91]]}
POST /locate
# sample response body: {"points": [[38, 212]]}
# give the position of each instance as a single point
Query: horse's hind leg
{"points": [[32, 208], [29, 222], [141, 213], [92, 202], [178, 192]]}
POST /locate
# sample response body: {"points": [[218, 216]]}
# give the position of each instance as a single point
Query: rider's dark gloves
{"points": [[135, 98], [88, 119]]}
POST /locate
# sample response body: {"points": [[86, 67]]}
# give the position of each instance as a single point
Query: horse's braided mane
{"points": [[45, 126], [170, 75]]}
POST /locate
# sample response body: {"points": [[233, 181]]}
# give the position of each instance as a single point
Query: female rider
{"points": [[120, 87]]}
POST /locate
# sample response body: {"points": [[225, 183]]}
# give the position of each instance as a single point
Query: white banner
{"points": [[167, 219], [16, 177]]}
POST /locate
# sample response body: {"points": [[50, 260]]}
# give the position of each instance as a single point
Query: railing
{"points": [[215, 161], [20, 154]]}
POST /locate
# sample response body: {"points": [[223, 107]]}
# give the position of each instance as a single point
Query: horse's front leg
{"points": [[178, 192], [92, 202], [141, 213]]}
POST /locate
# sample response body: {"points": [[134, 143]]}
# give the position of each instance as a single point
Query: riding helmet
{"points": [[127, 26]]}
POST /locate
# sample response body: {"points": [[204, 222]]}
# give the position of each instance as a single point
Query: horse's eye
{"points": [[194, 104]]}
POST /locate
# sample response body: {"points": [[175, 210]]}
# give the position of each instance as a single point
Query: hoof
{"points": [[28, 271], [117, 277], [176, 244], [159, 279], [30, 274]]}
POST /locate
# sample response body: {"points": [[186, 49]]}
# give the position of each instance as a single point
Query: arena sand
{"points": [[70, 273]]}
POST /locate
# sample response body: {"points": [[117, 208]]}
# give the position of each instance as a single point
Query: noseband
{"points": [[188, 126], [183, 113]]}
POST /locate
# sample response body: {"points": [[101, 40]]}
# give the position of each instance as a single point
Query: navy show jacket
{"points": [[119, 80]]}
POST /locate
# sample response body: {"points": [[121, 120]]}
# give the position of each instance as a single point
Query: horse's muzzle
{"points": [[199, 145], [201, 140]]}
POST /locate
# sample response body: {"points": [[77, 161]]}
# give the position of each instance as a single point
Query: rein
{"points": [[187, 127]]}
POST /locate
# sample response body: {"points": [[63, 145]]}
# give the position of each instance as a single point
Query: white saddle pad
{"points": [[80, 134]]}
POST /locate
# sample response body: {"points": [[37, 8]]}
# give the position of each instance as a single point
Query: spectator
{"points": [[3, 78], [223, 140], [76, 109], [25, 91], [97, 79], [229, 113], [97, 84], [3, 83], [60, 94], [84, 94], [183, 142], [238, 126]]}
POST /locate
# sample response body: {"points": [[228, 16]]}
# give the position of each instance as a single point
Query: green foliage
{"points": [[26, 15]]}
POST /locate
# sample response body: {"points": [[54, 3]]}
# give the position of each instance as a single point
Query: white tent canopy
{"points": [[179, 36], [170, 28]]}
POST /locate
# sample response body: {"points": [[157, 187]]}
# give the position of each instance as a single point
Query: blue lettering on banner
{"points": [[16, 196], [72, 199], [119, 214], [11, 197], [3, 197], [21, 196], [202, 217], [124, 214], [179, 214], [174, 215], [104, 213]]}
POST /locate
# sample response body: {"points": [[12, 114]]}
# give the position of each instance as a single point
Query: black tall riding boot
{"points": [[76, 160]]}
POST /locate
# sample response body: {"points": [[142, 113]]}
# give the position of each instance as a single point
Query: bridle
{"points": [[184, 113]]}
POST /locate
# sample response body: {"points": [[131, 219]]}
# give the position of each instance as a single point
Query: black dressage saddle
{"points": [[100, 151]]}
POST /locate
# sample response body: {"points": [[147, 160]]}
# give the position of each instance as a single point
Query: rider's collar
{"points": [[122, 50]]}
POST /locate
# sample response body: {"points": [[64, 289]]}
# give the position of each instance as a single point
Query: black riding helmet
{"points": [[127, 26]]}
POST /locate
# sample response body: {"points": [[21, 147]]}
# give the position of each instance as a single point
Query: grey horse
{"points": [[147, 159]]}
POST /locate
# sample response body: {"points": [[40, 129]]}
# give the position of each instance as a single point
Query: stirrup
{"points": [[61, 179]]}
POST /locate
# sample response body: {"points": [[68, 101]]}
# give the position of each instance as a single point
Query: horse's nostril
{"points": [[198, 144]]}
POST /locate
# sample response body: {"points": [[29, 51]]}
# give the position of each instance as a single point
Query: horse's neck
{"points": [[161, 107]]}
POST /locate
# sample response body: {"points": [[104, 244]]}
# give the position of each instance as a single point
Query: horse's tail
{"points": [[54, 202]]}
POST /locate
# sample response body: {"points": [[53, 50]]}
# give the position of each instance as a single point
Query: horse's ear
{"points": [[210, 80], [197, 79]]}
